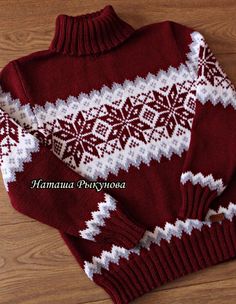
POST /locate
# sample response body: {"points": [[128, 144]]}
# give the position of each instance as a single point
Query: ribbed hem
{"points": [[90, 33], [121, 230], [168, 261]]}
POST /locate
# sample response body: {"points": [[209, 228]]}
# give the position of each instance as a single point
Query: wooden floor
{"points": [[35, 265]]}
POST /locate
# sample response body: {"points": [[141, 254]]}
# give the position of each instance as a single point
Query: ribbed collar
{"points": [[90, 33]]}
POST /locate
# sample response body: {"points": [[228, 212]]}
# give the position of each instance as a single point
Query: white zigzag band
{"points": [[166, 233], [98, 218], [204, 181]]}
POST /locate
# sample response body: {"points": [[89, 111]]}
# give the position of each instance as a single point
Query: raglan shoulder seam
{"points": [[19, 75]]}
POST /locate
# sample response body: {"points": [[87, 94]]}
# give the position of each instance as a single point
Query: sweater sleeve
{"points": [[83, 212], [210, 160]]}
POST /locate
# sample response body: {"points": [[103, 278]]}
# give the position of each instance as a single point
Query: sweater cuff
{"points": [[195, 202], [121, 231], [110, 224], [198, 192]]}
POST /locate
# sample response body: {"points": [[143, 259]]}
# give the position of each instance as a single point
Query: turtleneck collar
{"points": [[90, 33]]}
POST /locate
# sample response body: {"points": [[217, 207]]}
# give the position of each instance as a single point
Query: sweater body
{"points": [[148, 107], [51, 79]]}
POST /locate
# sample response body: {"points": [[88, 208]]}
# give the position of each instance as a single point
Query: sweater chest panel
{"points": [[112, 128]]}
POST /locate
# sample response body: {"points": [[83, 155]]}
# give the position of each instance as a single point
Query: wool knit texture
{"points": [[150, 108]]}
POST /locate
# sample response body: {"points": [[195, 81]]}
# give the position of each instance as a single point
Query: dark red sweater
{"points": [[124, 140]]}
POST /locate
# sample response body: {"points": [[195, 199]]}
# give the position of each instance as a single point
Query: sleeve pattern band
{"points": [[98, 218], [204, 181]]}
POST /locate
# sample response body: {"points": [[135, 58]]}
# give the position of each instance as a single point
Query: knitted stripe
{"points": [[168, 261], [98, 218], [204, 181], [177, 230]]}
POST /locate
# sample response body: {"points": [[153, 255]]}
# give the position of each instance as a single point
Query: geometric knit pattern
{"points": [[131, 123], [212, 83], [113, 128], [177, 229], [16, 147], [96, 135], [204, 181], [22, 114], [98, 218]]}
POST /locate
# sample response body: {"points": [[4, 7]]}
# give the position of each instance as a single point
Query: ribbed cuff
{"points": [[129, 279], [196, 201], [121, 230]]}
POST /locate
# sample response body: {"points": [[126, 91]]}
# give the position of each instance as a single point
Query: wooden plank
{"points": [[8, 215], [34, 262]]}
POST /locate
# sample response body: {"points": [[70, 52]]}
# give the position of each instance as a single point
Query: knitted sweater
{"points": [[124, 140]]}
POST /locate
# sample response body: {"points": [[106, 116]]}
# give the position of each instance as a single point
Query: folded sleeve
{"points": [[83, 212], [210, 160]]}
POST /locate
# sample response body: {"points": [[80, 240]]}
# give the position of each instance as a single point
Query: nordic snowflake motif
{"points": [[126, 124], [78, 137], [210, 70], [103, 130], [172, 111], [126, 121]]}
